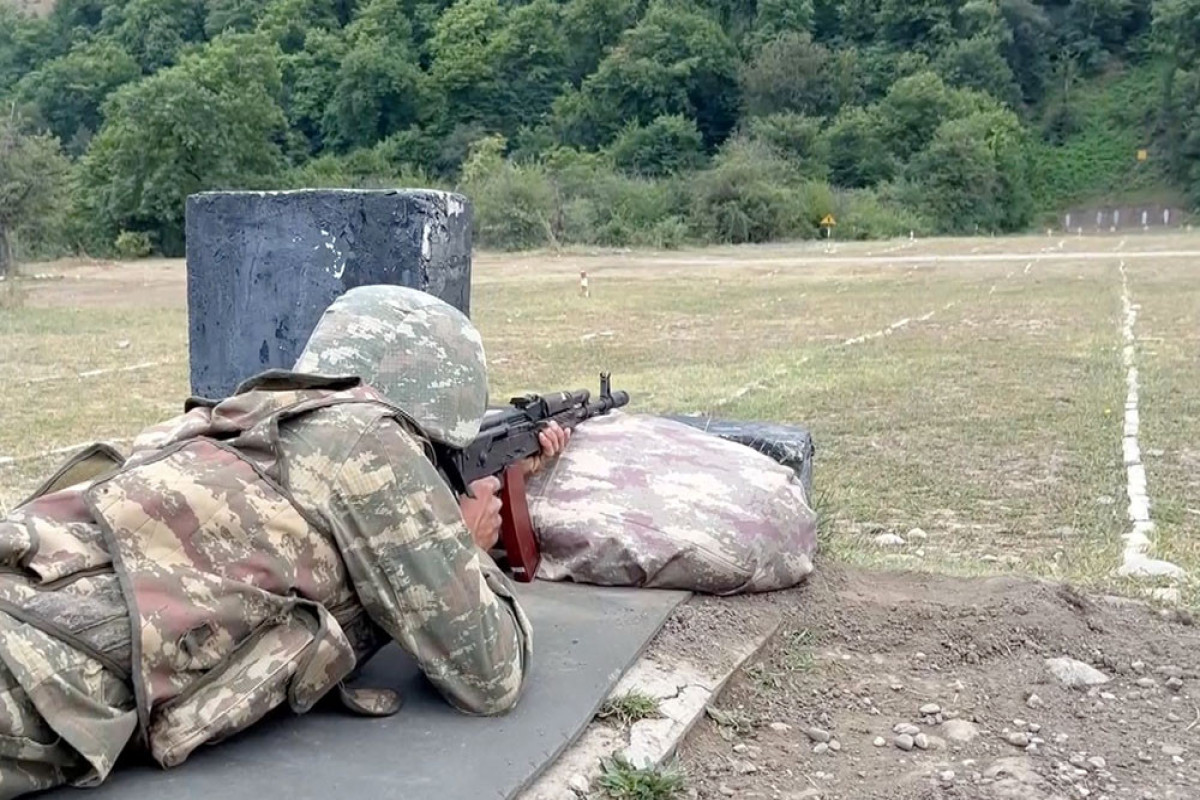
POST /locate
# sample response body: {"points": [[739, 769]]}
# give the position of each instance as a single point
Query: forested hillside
{"points": [[608, 122]]}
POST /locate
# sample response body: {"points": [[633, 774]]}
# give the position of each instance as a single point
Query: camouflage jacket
{"points": [[245, 540]]}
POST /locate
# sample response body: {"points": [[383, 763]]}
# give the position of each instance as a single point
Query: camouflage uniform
{"points": [[263, 547]]}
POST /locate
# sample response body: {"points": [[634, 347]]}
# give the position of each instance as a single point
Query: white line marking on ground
{"points": [[961, 258], [1136, 559], [754, 385], [92, 373], [1028, 267], [888, 331], [855, 340]]}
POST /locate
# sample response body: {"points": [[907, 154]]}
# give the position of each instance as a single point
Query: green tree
{"points": [[289, 23], [978, 63], [789, 73], [856, 150], [501, 68], [67, 92], [826, 22], [1090, 30], [231, 16], [794, 137], [212, 121], [309, 79], [775, 18], [676, 61], [1177, 35], [915, 106], [591, 28], [869, 72], [379, 87], [24, 43], [974, 175], [378, 92], [1027, 46], [531, 65], [154, 32], [668, 145], [463, 69], [924, 25], [33, 184], [857, 20]]}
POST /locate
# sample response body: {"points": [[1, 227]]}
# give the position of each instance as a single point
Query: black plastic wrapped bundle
{"points": [[789, 445]]}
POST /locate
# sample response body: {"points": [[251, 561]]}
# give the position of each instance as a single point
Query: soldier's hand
{"points": [[482, 512], [553, 439]]}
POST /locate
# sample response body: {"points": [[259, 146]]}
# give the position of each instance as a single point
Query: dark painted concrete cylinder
{"points": [[263, 266]]}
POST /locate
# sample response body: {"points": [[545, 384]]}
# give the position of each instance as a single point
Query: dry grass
{"points": [[992, 424]]}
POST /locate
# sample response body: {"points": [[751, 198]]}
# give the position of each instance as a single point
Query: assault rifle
{"points": [[507, 436]]}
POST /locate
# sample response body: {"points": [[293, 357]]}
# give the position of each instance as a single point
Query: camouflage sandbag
{"points": [[646, 501]]}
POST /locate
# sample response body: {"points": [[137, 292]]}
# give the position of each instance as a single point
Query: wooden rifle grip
{"points": [[516, 529]]}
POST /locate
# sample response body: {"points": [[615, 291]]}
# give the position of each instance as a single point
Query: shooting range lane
{"points": [[585, 637]]}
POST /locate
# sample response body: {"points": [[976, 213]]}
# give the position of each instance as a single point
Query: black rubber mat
{"points": [[585, 637]]}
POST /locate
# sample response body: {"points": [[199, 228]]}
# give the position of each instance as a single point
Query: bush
{"points": [[667, 234], [514, 205], [619, 211], [514, 209], [857, 153], [667, 146], [133, 244], [746, 197], [874, 214], [794, 137], [360, 169]]}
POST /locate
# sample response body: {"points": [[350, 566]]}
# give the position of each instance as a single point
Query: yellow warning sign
{"points": [[829, 221], [1143, 155]]}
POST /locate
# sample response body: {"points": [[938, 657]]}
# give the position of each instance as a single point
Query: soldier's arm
{"points": [[421, 577]]}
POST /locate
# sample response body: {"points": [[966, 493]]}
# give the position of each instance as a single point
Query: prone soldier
{"points": [[255, 551]]}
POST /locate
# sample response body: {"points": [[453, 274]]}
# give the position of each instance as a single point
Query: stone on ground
{"points": [[1074, 673], [959, 730]]}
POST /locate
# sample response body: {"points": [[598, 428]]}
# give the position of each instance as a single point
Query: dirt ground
{"points": [[861, 652]]}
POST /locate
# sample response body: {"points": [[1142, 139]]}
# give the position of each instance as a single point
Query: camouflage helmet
{"points": [[423, 354]]}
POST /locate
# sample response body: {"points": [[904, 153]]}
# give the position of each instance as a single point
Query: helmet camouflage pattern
{"points": [[420, 352]]}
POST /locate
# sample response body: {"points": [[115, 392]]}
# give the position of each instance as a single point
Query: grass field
{"points": [[970, 388]]}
